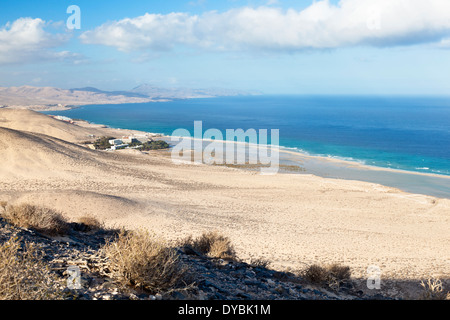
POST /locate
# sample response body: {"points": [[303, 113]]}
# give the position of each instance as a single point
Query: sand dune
{"points": [[25, 154], [290, 219], [27, 120]]}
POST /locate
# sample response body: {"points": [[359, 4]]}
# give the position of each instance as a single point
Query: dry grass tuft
{"points": [[23, 275], [260, 263], [41, 219], [144, 261], [434, 290], [90, 223], [212, 244], [3, 204], [332, 275], [316, 274], [339, 272]]}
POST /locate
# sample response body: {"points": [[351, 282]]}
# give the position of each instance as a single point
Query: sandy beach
{"points": [[293, 220]]}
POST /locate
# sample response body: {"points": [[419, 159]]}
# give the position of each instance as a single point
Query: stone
{"points": [[270, 282], [178, 295]]}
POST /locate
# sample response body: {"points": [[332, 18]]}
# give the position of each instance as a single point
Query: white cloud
{"points": [[25, 40], [444, 43], [319, 26]]}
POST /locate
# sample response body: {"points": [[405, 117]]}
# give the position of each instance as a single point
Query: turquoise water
{"points": [[407, 133]]}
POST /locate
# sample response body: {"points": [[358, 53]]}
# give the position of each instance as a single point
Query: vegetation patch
{"points": [[212, 244], [41, 219], [89, 223], [331, 275], [142, 260], [259, 263], [103, 143], [434, 290], [24, 275], [155, 145]]}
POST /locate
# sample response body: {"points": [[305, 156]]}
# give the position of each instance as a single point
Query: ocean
{"points": [[407, 133]]}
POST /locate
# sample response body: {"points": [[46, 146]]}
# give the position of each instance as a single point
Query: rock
{"points": [[220, 296], [250, 273], [263, 286], [270, 282], [317, 292], [280, 275], [244, 295], [178, 295], [251, 282], [201, 295], [281, 290], [133, 297], [107, 285]]}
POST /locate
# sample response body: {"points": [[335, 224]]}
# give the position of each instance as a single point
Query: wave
{"points": [[368, 162]]}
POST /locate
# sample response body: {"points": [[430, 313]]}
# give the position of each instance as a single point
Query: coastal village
{"points": [[144, 141]]}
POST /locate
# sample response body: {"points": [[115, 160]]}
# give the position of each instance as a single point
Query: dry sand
{"points": [[293, 220]]}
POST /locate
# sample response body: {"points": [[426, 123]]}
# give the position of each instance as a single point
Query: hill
{"points": [[44, 97], [27, 154], [184, 93], [50, 98], [27, 120]]}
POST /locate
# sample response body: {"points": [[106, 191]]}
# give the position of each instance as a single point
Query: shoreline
{"points": [[355, 163], [282, 149], [330, 168]]}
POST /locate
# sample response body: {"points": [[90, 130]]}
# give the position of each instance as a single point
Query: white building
{"points": [[120, 146], [115, 142], [130, 139]]}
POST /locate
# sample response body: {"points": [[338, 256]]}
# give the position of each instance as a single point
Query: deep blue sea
{"points": [[408, 133]]}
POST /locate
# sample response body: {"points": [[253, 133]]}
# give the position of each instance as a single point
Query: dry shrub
{"points": [[221, 248], [3, 204], [316, 274], [259, 263], [90, 223], [332, 275], [434, 290], [144, 261], [23, 275], [339, 272], [41, 219], [212, 244]]}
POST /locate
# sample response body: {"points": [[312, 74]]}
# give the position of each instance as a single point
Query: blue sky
{"points": [[272, 46]]}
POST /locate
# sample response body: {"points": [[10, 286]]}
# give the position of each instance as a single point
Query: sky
{"points": [[392, 47]]}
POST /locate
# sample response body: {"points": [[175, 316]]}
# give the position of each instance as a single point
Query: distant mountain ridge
{"points": [[111, 93], [185, 93], [39, 98]]}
